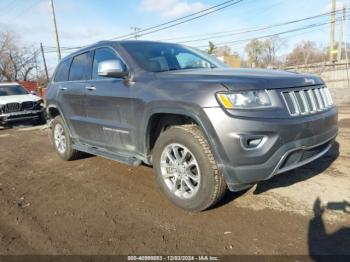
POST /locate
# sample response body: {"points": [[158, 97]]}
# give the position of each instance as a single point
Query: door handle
{"points": [[63, 88], [90, 88]]}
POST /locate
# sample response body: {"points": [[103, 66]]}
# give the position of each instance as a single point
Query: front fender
{"points": [[194, 112]]}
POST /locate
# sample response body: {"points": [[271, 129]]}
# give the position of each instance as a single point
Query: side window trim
{"points": [[92, 57], [93, 52], [70, 67]]}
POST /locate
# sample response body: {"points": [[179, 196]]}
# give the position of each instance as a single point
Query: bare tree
{"points": [[16, 62], [271, 46], [222, 51], [304, 53], [211, 48]]}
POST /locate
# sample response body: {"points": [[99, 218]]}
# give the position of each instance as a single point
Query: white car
{"points": [[17, 104]]}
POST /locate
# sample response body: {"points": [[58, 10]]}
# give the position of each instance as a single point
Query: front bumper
{"points": [[285, 144], [20, 116]]}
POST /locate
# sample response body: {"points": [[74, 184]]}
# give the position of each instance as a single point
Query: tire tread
{"points": [[72, 154], [220, 184]]}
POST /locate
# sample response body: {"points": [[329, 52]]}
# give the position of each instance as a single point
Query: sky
{"points": [[82, 22]]}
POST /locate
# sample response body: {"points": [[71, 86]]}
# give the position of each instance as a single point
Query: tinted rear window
{"points": [[81, 67], [62, 71]]}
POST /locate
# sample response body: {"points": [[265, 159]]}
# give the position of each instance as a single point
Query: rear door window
{"points": [[81, 67], [62, 71]]}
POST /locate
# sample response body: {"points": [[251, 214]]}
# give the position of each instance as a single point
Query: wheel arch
{"points": [[197, 117], [53, 111]]}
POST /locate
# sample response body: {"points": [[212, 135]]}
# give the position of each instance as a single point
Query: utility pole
{"points": [[44, 60], [341, 34], [55, 30], [36, 70], [346, 53], [331, 44], [135, 31]]}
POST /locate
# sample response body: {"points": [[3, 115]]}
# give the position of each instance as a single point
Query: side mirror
{"points": [[33, 92], [111, 68]]}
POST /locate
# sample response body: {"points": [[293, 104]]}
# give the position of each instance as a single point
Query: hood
{"points": [[18, 99], [244, 78]]}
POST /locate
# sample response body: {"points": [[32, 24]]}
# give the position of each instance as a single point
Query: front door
{"points": [[109, 107]]}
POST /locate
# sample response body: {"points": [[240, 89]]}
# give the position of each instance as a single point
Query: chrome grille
{"points": [[307, 101], [12, 107]]}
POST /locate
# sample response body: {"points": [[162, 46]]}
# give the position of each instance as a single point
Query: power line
{"points": [[235, 32], [255, 10], [254, 29], [242, 41], [182, 18], [207, 11], [284, 38], [188, 20], [29, 8], [14, 12], [271, 35]]}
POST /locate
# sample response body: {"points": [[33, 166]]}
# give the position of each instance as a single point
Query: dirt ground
{"points": [[97, 206]]}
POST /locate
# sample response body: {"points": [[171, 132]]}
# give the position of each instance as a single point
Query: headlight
{"points": [[245, 99]]}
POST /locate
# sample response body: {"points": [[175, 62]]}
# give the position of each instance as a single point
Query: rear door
{"points": [[71, 95], [109, 107]]}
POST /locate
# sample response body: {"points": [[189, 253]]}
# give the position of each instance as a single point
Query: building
{"points": [[29, 85]]}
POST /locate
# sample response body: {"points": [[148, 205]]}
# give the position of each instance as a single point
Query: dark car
{"points": [[18, 105], [203, 126]]}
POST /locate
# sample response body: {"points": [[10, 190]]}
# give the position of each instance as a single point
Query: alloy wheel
{"points": [[60, 138], [180, 170]]}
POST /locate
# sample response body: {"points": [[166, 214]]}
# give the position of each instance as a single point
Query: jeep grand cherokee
{"points": [[203, 126]]}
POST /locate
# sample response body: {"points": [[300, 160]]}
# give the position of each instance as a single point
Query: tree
{"points": [[271, 47], [16, 62], [222, 51], [264, 53], [305, 53], [218, 51], [212, 48], [255, 51]]}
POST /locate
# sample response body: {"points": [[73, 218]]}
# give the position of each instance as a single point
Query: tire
{"points": [[63, 143], [198, 170], [41, 120]]}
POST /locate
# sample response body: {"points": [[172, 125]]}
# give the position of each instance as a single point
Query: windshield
{"points": [[160, 57], [12, 90]]}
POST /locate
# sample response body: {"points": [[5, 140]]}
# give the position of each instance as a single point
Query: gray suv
{"points": [[203, 126]]}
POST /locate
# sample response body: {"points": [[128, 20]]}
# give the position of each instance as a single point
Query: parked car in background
{"points": [[18, 105], [203, 126]]}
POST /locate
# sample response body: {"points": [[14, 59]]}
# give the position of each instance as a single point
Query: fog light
{"points": [[252, 142]]}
